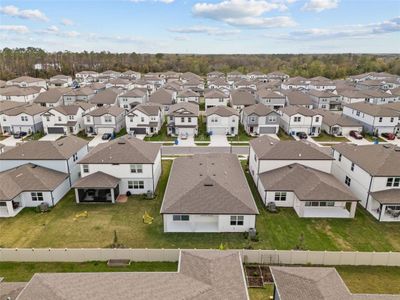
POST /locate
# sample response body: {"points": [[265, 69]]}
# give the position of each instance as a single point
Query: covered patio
{"points": [[10, 208], [326, 209], [98, 187], [385, 205]]}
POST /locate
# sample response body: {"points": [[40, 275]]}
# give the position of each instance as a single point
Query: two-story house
{"points": [[52, 97], [241, 99], [4, 106], [27, 81], [164, 97], [20, 94], [260, 119], [325, 99], [215, 97], [270, 98], [187, 95], [145, 119], [108, 97], [220, 84], [122, 167], [372, 172], [79, 94], [105, 119], [298, 98], [296, 119], [222, 120], [183, 119], [86, 76], [26, 118], [60, 81], [131, 98]]}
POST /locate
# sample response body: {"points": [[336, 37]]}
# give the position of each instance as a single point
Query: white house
{"points": [[79, 94], [372, 172], [296, 119], [220, 84], [61, 155], [108, 97], [376, 96], [131, 98], [183, 119], [295, 83], [105, 119], [215, 97], [26, 118], [277, 75], [20, 94], [131, 75], [4, 106], [27, 81], [375, 119], [272, 99], [60, 81], [123, 166], [325, 99], [260, 119], [145, 119], [86, 76], [351, 95], [52, 97], [65, 119], [164, 97], [222, 120], [298, 98], [119, 83], [338, 124], [30, 185], [321, 83], [187, 95], [208, 193], [241, 99]]}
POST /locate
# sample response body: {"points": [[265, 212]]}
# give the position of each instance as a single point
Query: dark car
{"points": [[19, 134], [302, 135], [355, 134], [106, 136], [389, 136]]}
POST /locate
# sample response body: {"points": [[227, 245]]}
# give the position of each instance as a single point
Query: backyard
{"points": [[283, 230]]}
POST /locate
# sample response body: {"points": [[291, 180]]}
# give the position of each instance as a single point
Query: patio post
{"points": [[76, 196], [112, 195], [353, 208], [10, 208]]}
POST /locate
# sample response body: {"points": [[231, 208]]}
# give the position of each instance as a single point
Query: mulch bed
{"points": [[258, 275]]}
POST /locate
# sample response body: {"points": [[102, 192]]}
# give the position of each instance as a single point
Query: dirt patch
{"points": [[340, 242], [255, 281]]}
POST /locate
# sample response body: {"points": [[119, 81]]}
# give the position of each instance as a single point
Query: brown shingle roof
{"points": [[215, 93], [111, 110], [331, 119], [97, 180], [297, 98], [223, 111], [208, 184], [108, 96], [258, 109], [124, 150], [391, 196], [30, 109], [293, 109], [240, 97], [184, 109], [162, 96], [6, 105], [150, 109], [373, 109], [51, 96], [134, 93]]}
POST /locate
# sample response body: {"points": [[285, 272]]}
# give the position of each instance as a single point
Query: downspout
{"points": [[52, 197], [69, 177], [258, 173], [380, 213], [369, 189], [152, 176]]}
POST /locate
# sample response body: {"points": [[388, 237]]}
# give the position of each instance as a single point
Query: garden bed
{"points": [[258, 275]]}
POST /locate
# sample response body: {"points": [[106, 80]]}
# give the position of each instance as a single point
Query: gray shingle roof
{"points": [[51, 96], [223, 111], [208, 184], [240, 97], [331, 119], [150, 109], [292, 110], [373, 109], [391, 196], [162, 96], [30, 109], [108, 96], [215, 93], [297, 98], [184, 109], [97, 180], [111, 110], [258, 109]]}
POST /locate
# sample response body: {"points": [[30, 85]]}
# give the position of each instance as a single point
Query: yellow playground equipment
{"points": [[83, 214], [147, 219]]}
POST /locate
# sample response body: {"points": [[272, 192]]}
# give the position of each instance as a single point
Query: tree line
{"points": [[20, 61]]}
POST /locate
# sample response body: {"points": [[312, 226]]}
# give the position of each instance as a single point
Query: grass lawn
{"points": [[202, 144], [82, 134], [261, 293], [122, 132], [20, 272], [202, 134], [283, 136], [324, 137], [282, 230], [242, 135], [161, 136], [34, 137], [371, 138]]}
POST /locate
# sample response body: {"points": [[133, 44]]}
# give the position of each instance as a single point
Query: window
{"points": [[180, 217], [71, 117], [393, 181], [88, 118], [297, 119], [252, 119], [131, 119], [142, 119], [107, 119], [182, 119], [85, 168], [37, 196], [393, 207], [189, 120], [59, 119], [280, 196], [75, 157], [48, 119], [271, 119], [380, 119], [237, 220], [136, 184], [340, 157], [316, 119], [320, 203], [352, 167], [136, 168], [24, 118], [391, 120], [347, 181], [220, 100]]}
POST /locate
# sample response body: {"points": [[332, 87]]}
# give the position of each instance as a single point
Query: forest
{"points": [[21, 61]]}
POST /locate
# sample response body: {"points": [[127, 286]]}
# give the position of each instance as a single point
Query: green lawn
{"points": [[372, 138], [202, 134], [261, 293], [34, 137], [324, 137], [82, 134], [283, 136], [20, 272], [161, 136], [282, 230], [242, 135], [122, 132]]}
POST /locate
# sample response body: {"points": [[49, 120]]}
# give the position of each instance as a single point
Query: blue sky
{"points": [[203, 26]]}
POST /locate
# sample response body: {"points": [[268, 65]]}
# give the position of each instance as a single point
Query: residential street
{"points": [[175, 150]]}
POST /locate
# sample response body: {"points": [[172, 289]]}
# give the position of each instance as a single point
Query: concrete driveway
{"points": [[11, 141], [218, 141], [358, 142], [96, 141], [51, 137], [188, 142], [140, 136]]}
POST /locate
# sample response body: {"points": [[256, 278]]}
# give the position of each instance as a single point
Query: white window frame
{"points": [[136, 168], [37, 196], [237, 220]]}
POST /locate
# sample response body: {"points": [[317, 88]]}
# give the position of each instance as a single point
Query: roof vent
{"points": [[208, 183], [271, 143], [299, 154]]}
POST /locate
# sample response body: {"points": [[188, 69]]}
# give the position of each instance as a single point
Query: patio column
{"points": [[112, 195], [353, 208], [76, 196], [10, 208]]}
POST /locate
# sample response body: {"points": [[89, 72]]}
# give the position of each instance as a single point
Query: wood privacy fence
{"points": [[286, 257]]}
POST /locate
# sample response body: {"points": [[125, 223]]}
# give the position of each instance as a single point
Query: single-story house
{"points": [[338, 124]]}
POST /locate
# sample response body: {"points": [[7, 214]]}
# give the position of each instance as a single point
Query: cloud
{"points": [[31, 14], [247, 13], [181, 38], [355, 31], [14, 28], [320, 5], [67, 22], [162, 1], [204, 29], [52, 29]]}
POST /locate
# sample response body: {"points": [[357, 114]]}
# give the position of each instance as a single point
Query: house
{"points": [[145, 119], [123, 166], [29, 185], [277, 75], [171, 76], [295, 83], [26, 118], [375, 119], [187, 95], [183, 119], [110, 74], [202, 274], [65, 119], [4, 106], [108, 97], [132, 75], [194, 185], [325, 99], [164, 97], [27, 81], [272, 99], [298, 98], [296, 119], [215, 75], [351, 95], [131, 98], [143, 84], [86, 76], [222, 120], [220, 84], [61, 155], [241, 99], [260, 119], [119, 83], [245, 84], [257, 75], [215, 97], [20, 94], [52, 97], [372, 172], [235, 75], [376, 96], [321, 83], [338, 124], [60, 81], [105, 119], [79, 94], [96, 86]]}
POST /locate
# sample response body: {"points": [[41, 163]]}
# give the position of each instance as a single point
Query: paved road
{"points": [[174, 150]]}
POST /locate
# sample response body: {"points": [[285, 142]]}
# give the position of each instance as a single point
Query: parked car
{"points": [[106, 136], [389, 136], [302, 135], [355, 134], [19, 134]]}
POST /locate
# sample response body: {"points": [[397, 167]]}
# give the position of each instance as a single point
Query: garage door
{"points": [[218, 130], [268, 130], [105, 130], [138, 130], [59, 130]]}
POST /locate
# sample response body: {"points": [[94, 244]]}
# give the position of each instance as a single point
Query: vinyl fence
{"points": [[286, 257]]}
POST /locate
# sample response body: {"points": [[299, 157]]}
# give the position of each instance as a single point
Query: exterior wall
{"points": [[223, 125], [272, 102], [24, 99], [32, 125], [58, 118], [305, 125], [97, 123], [125, 102], [58, 165], [142, 120], [211, 102], [184, 127]]}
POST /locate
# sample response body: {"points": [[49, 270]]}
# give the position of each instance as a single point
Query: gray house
{"points": [[104, 120], [270, 98], [260, 119]]}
